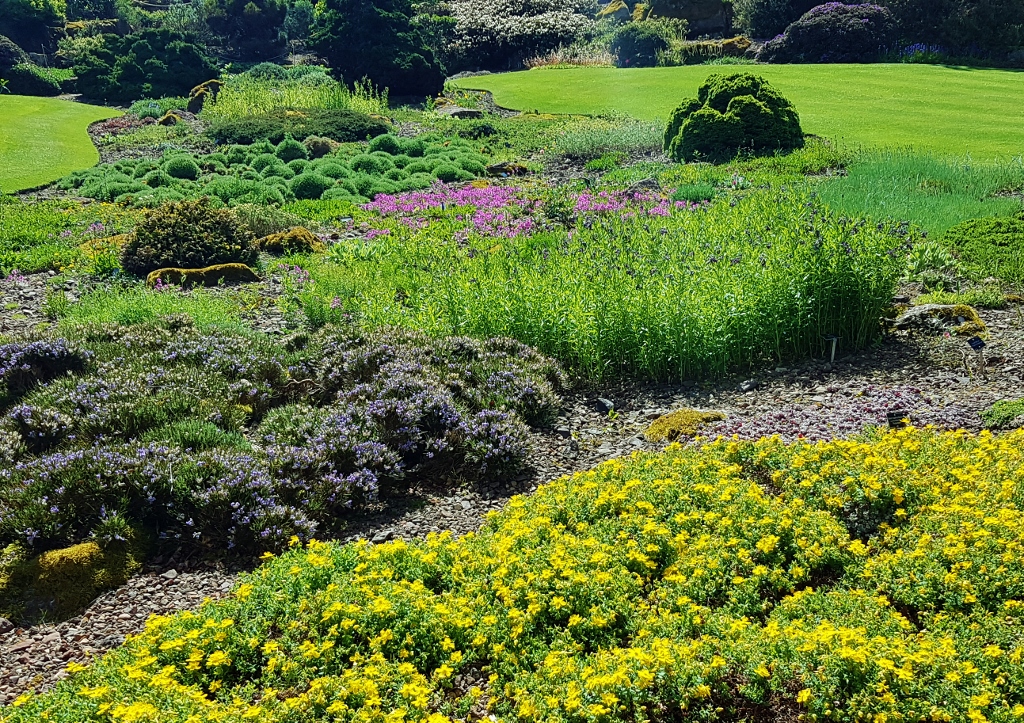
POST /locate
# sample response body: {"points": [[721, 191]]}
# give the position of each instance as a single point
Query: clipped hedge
{"points": [[732, 113], [337, 124], [855, 580]]}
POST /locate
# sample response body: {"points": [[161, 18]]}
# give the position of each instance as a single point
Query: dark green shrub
{"points": [[290, 149], [267, 71], [310, 186], [768, 18], [990, 247], [263, 160], [146, 64], [386, 143], [377, 40], [336, 124], [31, 23], [332, 170], [156, 179], [10, 54], [834, 33], [450, 173], [413, 147], [188, 235], [28, 79], [732, 113], [299, 165], [636, 45], [250, 29], [182, 167], [374, 165]]}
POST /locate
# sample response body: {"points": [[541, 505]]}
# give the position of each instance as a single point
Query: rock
{"points": [[507, 168], [617, 10], [957, 318], [6, 626], [169, 575], [454, 111], [748, 386], [563, 432], [605, 405], [208, 276]]}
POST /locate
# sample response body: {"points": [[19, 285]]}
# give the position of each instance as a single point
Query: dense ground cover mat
{"points": [[869, 579], [991, 247], [615, 282], [220, 438], [947, 110], [48, 235], [44, 139]]}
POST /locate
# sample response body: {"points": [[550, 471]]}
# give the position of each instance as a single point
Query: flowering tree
{"points": [[502, 33]]}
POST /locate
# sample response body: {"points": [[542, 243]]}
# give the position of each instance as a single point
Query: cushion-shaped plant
{"points": [[732, 113], [189, 235], [310, 186]]}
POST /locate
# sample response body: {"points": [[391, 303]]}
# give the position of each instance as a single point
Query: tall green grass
{"points": [[137, 304], [699, 293], [932, 192], [243, 96]]}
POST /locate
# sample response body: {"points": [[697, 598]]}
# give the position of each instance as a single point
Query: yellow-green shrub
{"points": [[680, 423]]}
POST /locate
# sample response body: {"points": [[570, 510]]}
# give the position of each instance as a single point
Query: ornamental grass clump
{"points": [[700, 583], [651, 287]]}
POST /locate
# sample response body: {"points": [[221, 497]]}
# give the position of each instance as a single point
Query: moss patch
{"points": [[60, 583], [680, 423]]}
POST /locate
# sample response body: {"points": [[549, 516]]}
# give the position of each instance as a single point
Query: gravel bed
{"points": [[930, 377]]}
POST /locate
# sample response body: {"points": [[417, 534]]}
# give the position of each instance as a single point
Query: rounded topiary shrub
{"points": [[188, 235], [732, 113], [387, 143], [290, 149], [834, 33], [310, 186], [637, 45], [990, 247], [182, 167]]}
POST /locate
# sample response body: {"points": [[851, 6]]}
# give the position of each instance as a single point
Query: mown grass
{"points": [[44, 139], [944, 110]]}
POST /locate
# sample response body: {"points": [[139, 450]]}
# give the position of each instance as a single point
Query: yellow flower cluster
{"points": [[872, 580]]}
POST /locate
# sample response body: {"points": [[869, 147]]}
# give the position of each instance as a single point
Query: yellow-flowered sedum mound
{"points": [[719, 583]]}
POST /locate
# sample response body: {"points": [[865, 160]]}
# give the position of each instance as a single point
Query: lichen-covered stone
{"points": [[208, 276], [956, 318]]}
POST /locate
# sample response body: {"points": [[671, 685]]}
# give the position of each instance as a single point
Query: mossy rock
{"points": [[298, 240], [208, 276], [59, 584], [680, 423], [959, 319], [170, 118]]}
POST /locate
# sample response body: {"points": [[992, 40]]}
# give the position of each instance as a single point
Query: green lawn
{"points": [[42, 139], [933, 108]]}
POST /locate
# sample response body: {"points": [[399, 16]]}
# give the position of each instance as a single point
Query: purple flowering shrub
{"points": [[219, 439], [24, 365], [834, 33]]}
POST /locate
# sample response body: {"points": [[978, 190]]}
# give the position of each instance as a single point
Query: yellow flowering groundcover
{"points": [[870, 580]]}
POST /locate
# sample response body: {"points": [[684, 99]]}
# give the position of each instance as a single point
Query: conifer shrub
{"points": [[337, 124], [182, 167], [189, 235], [310, 186], [290, 149], [990, 247], [732, 113]]}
